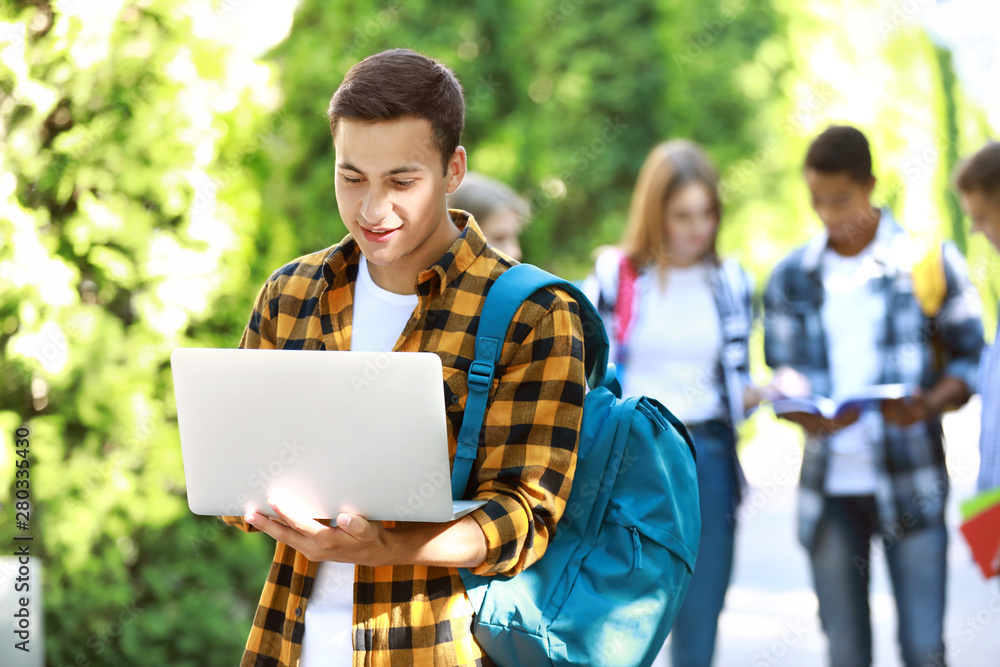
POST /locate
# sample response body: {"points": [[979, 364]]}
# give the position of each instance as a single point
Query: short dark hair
{"points": [[841, 148], [400, 84], [981, 172]]}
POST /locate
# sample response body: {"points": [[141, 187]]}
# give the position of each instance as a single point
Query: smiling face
{"points": [[985, 213], [391, 196], [691, 224]]}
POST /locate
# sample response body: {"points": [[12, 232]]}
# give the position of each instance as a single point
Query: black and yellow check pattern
{"points": [[417, 615]]}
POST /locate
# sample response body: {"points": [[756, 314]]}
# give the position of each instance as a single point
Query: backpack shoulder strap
{"points": [[624, 299], [505, 297]]}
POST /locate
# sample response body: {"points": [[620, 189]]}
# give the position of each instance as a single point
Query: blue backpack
{"points": [[613, 577]]}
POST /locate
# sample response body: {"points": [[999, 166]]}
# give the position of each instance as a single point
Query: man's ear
{"points": [[455, 172], [870, 186]]}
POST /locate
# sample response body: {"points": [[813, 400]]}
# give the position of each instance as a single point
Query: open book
{"points": [[831, 409]]}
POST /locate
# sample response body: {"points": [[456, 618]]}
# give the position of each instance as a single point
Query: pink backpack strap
{"points": [[625, 300]]}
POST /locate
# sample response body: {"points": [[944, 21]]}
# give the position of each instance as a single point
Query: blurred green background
{"points": [[159, 159]]}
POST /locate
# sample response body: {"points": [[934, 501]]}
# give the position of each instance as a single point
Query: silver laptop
{"points": [[357, 432]]}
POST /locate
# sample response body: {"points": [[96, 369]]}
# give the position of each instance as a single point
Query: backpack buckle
{"points": [[480, 376]]}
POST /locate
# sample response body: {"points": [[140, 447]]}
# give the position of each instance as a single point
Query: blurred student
{"points": [[500, 212], [978, 183], [680, 320], [842, 312]]}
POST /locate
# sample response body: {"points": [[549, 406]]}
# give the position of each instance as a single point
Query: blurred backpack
{"points": [[930, 286], [612, 580]]}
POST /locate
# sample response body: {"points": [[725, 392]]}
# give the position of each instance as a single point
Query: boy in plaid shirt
{"points": [[978, 183], [412, 276], [842, 314]]}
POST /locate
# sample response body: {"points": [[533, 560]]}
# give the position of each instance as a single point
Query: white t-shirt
{"points": [[852, 316], [379, 317], [675, 345]]}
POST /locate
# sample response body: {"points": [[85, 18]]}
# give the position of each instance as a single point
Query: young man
{"points": [[412, 276], [841, 314], [978, 183]]}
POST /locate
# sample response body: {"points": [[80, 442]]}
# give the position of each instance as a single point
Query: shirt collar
{"points": [[881, 244], [459, 257], [342, 259]]}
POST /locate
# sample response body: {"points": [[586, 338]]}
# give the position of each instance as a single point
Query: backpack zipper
{"points": [[637, 549]]}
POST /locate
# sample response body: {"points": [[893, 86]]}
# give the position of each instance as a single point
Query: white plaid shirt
{"points": [[911, 476]]}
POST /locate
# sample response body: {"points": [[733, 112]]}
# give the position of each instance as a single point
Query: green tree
{"points": [[125, 212], [565, 99]]}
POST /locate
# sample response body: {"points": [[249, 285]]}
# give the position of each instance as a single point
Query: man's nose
{"points": [[375, 207]]}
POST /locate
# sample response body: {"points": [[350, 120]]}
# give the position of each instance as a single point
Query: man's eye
{"points": [[403, 184], [348, 179]]}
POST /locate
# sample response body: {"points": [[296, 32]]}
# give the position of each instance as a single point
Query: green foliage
{"points": [[885, 76], [125, 212], [565, 99]]}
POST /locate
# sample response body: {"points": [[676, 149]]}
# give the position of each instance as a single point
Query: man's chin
{"points": [[376, 258], [838, 238]]}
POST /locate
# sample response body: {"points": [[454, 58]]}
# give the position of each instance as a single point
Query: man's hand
{"points": [[815, 425], [949, 393], [352, 539], [906, 411], [787, 382], [752, 396]]}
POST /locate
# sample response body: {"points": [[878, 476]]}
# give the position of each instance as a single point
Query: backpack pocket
{"points": [[626, 595], [662, 554]]}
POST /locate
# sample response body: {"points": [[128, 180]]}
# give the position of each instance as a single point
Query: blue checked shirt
{"points": [[989, 437], [912, 480]]}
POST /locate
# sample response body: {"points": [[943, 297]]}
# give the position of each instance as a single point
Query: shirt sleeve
{"points": [[601, 286], [258, 335], [781, 327], [592, 289], [527, 455], [747, 302], [960, 320]]}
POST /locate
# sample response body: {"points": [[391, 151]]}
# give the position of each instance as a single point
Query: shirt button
{"points": [[455, 398], [298, 611]]}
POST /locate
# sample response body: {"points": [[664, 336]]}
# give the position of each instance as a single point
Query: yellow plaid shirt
{"points": [[412, 614]]}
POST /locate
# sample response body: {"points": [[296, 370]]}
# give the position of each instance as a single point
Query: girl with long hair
{"points": [[680, 319]]}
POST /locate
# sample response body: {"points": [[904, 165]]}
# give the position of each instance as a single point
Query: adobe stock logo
{"points": [[433, 481], [371, 372], [290, 451]]}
